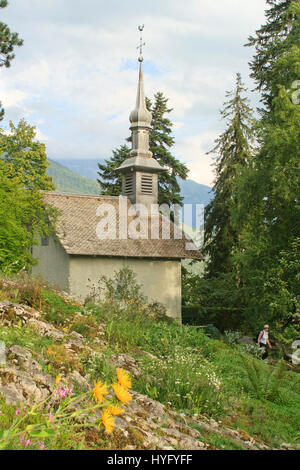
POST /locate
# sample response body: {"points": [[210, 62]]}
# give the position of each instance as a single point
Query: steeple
{"points": [[140, 170]]}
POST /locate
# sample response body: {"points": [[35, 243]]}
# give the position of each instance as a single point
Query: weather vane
{"points": [[140, 47]]}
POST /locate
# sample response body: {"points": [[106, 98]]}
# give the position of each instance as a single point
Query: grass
{"points": [[181, 367], [195, 374]]}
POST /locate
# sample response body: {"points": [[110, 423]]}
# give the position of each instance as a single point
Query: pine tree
{"points": [[269, 191], [111, 181], [270, 41], [160, 143], [8, 41], [233, 151]]}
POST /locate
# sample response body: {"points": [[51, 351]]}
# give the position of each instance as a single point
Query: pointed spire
{"points": [[140, 115]]}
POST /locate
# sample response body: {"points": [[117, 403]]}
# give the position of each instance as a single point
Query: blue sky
{"points": [[75, 78]]}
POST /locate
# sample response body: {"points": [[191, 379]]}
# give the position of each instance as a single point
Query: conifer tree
{"points": [[270, 41], [269, 192], [160, 143], [233, 152], [8, 41]]}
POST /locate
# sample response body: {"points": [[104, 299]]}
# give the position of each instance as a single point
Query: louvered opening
{"points": [[146, 184], [129, 184]]}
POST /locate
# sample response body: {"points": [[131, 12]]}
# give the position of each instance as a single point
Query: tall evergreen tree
{"points": [[8, 41], [269, 221], [160, 143], [270, 41], [234, 152]]}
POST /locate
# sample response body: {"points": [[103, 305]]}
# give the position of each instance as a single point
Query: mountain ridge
{"points": [[80, 177]]}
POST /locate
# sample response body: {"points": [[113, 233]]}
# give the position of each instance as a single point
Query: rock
{"points": [[22, 357], [128, 363], [16, 314], [76, 377], [246, 340], [12, 393], [45, 329]]}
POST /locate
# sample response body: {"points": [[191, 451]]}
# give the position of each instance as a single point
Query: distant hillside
{"points": [[66, 173], [66, 181]]}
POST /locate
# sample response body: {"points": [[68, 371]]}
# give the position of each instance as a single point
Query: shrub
{"points": [[231, 337]]}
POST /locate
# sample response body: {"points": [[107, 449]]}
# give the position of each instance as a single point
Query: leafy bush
{"points": [[212, 331], [252, 349], [122, 288], [231, 337]]}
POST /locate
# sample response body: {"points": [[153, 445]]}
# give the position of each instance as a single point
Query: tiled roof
{"points": [[78, 220]]}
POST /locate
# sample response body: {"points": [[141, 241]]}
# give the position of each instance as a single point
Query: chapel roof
{"points": [[77, 222]]}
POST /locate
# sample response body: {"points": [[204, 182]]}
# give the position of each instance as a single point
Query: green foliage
{"points": [[271, 42], [231, 337], [264, 384], [23, 220], [23, 165], [269, 212], [252, 224], [25, 157], [160, 143], [56, 309], [121, 288], [233, 150], [8, 41]]}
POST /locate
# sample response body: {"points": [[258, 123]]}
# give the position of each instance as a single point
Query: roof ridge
{"points": [[89, 196]]}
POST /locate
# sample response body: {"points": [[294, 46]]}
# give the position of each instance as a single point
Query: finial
{"points": [[140, 47]]}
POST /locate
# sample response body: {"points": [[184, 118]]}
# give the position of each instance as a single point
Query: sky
{"points": [[75, 77]]}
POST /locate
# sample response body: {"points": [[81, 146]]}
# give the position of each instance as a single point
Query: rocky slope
{"points": [[146, 424]]}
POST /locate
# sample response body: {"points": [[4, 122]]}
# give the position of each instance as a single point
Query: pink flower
{"points": [[18, 411], [51, 417], [63, 392]]}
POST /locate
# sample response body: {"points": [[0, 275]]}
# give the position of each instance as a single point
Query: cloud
{"points": [[193, 151], [76, 74]]}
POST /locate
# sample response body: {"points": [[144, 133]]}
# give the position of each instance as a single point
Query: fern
{"points": [[265, 382]]}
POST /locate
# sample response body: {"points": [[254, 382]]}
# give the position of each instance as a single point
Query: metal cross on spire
{"points": [[140, 47]]}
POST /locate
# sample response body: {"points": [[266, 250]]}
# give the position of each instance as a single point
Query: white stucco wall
{"points": [[53, 264], [161, 279]]}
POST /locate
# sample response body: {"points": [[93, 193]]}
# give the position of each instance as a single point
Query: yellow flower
{"points": [[122, 393], [57, 380], [108, 421], [123, 378], [115, 410], [100, 389]]}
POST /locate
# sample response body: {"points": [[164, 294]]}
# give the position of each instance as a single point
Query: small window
{"points": [[44, 241]]}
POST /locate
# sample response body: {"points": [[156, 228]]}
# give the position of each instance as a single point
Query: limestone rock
{"points": [[16, 314], [45, 329], [23, 358], [128, 363], [12, 393]]}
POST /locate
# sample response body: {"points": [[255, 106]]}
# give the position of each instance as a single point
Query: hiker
{"points": [[263, 341]]}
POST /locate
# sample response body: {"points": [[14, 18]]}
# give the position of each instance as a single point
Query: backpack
{"points": [[257, 336]]}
